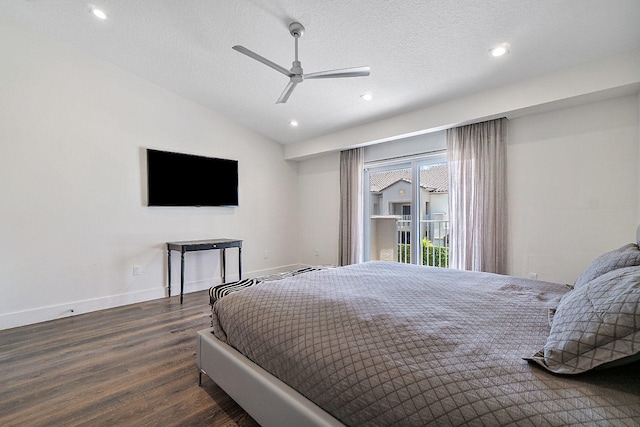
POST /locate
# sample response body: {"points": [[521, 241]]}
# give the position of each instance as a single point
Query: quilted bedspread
{"points": [[389, 344]]}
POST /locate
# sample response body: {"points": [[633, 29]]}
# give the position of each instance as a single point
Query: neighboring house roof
{"points": [[433, 178]]}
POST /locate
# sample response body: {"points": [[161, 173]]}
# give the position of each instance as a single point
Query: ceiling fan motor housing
{"points": [[296, 69]]}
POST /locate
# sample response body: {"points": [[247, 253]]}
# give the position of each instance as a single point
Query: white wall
{"points": [[319, 209], [573, 187], [73, 130], [440, 204]]}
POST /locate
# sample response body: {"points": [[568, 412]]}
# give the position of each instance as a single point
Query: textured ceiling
{"points": [[420, 52]]}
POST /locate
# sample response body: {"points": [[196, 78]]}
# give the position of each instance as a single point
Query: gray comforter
{"points": [[388, 344]]}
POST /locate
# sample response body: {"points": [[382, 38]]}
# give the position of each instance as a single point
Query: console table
{"points": [[202, 245]]}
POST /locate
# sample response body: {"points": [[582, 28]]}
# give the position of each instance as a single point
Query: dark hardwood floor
{"points": [[131, 365]]}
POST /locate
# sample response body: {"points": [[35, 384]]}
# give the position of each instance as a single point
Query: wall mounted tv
{"points": [[176, 179]]}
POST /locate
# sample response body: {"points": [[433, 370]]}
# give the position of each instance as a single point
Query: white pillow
{"points": [[626, 256], [595, 325]]}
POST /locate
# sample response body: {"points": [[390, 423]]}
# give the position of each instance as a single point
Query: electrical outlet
{"points": [[533, 276], [137, 270], [266, 254], [317, 252]]}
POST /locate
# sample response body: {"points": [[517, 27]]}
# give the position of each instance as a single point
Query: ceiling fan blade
{"points": [[344, 72], [262, 59], [286, 93]]}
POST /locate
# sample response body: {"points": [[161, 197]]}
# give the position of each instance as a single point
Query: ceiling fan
{"points": [[296, 74]]}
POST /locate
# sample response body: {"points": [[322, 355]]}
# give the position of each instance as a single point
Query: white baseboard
{"points": [[73, 308]]}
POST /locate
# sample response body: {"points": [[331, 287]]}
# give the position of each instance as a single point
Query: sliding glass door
{"points": [[433, 221], [388, 205], [406, 211]]}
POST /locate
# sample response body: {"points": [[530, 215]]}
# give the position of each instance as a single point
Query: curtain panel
{"points": [[350, 239], [478, 196]]}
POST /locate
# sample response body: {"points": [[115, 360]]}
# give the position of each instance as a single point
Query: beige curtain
{"points": [[478, 196], [351, 205]]}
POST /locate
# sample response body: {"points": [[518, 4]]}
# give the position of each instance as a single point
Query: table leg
{"points": [[169, 269], [181, 275], [239, 263], [224, 266]]}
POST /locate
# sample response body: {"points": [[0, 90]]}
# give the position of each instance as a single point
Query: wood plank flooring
{"points": [[131, 365]]}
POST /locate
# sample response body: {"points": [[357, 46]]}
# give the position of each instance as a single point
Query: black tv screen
{"points": [[176, 179]]}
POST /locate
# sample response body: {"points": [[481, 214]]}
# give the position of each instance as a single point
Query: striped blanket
{"points": [[220, 291]]}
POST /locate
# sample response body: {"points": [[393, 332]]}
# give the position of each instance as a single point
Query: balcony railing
{"points": [[434, 242]]}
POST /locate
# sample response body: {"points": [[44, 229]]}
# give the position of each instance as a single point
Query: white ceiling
{"points": [[421, 52]]}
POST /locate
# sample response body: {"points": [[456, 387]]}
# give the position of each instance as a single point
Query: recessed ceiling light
{"points": [[293, 123], [98, 13], [368, 96], [500, 50]]}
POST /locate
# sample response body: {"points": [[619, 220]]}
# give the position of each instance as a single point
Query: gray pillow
{"points": [[626, 256], [595, 325]]}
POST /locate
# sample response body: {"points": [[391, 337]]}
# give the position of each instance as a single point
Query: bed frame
{"points": [[267, 399]]}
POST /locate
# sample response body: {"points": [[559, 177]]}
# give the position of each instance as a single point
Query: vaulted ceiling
{"points": [[421, 52]]}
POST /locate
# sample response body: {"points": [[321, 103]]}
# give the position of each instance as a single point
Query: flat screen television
{"points": [[177, 179]]}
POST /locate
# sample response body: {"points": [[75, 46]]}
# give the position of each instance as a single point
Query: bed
{"points": [[392, 344]]}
